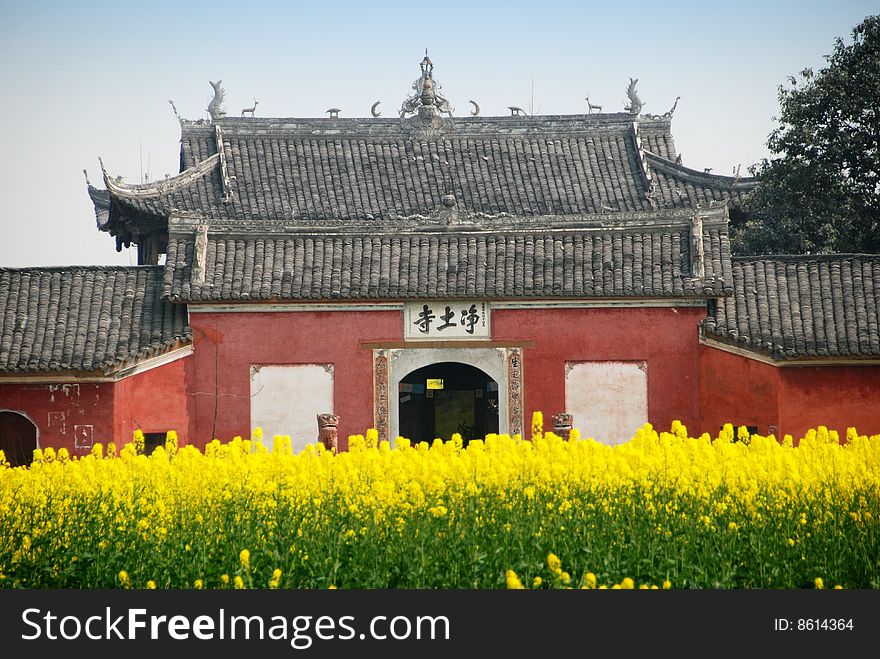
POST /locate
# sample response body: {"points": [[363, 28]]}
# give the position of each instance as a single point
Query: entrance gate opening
{"points": [[18, 438], [445, 398]]}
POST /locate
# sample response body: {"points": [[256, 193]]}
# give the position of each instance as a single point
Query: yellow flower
{"points": [[589, 581], [512, 581], [238, 582], [554, 563], [537, 425], [199, 584], [667, 584], [139, 441], [124, 579], [536, 582], [627, 584], [275, 581], [224, 579], [820, 584], [245, 557], [151, 585]]}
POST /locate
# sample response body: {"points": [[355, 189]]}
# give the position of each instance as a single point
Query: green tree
{"points": [[821, 191]]}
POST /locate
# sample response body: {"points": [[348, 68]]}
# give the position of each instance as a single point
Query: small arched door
{"points": [[18, 438], [441, 399]]}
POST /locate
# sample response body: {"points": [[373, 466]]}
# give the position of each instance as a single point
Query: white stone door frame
{"points": [[392, 365]]}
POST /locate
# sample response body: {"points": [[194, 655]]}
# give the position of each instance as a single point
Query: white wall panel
{"points": [[285, 400], [609, 400]]}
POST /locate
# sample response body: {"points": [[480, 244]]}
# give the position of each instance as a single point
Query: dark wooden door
{"points": [[18, 438]]}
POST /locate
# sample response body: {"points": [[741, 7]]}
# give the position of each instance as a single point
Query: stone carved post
{"points": [[562, 424], [327, 431]]}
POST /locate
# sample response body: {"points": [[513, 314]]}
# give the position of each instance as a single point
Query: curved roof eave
{"points": [[161, 188], [706, 179]]}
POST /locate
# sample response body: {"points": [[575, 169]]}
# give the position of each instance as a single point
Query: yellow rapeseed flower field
{"points": [[662, 510]]}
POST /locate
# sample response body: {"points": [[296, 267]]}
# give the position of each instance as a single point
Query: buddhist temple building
{"points": [[430, 273]]}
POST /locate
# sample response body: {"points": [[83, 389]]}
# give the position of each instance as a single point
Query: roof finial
{"points": [[635, 103], [214, 108], [426, 98]]}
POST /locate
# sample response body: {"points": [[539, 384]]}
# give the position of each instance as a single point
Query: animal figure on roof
{"points": [[251, 110]]}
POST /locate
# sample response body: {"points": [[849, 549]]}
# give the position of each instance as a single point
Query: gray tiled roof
{"points": [[307, 170], [84, 318], [794, 307], [476, 264]]}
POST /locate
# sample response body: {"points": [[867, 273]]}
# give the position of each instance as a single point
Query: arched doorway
{"points": [[445, 398], [18, 438]]}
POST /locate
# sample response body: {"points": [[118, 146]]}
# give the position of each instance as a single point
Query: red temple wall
{"points": [[787, 399], [60, 411], [832, 396], [702, 386], [227, 344], [737, 390], [155, 400]]}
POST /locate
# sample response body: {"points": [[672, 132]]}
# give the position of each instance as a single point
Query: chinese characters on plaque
{"points": [[441, 320]]}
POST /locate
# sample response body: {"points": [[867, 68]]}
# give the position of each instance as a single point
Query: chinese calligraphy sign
{"points": [[441, 320]]}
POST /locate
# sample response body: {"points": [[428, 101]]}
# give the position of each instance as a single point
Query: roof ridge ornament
{"points": [[214, 108], [251, 110], [635, 103], [426, 100], [176, 113]]}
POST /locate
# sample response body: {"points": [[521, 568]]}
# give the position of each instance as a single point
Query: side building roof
{"points": [[85, 319], [801, 307]]}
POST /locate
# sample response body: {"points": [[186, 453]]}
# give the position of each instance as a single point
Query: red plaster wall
{"points": [[666, 338], [832, 396], [225, 346], [57, 409], [154, 401], [737, 390]]}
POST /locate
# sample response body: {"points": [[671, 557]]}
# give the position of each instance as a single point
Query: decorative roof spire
{"points": [[214, 108], [635, 103], [426, 99]]}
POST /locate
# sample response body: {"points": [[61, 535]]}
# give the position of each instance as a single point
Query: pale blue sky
{"points": [[79, 80]]}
